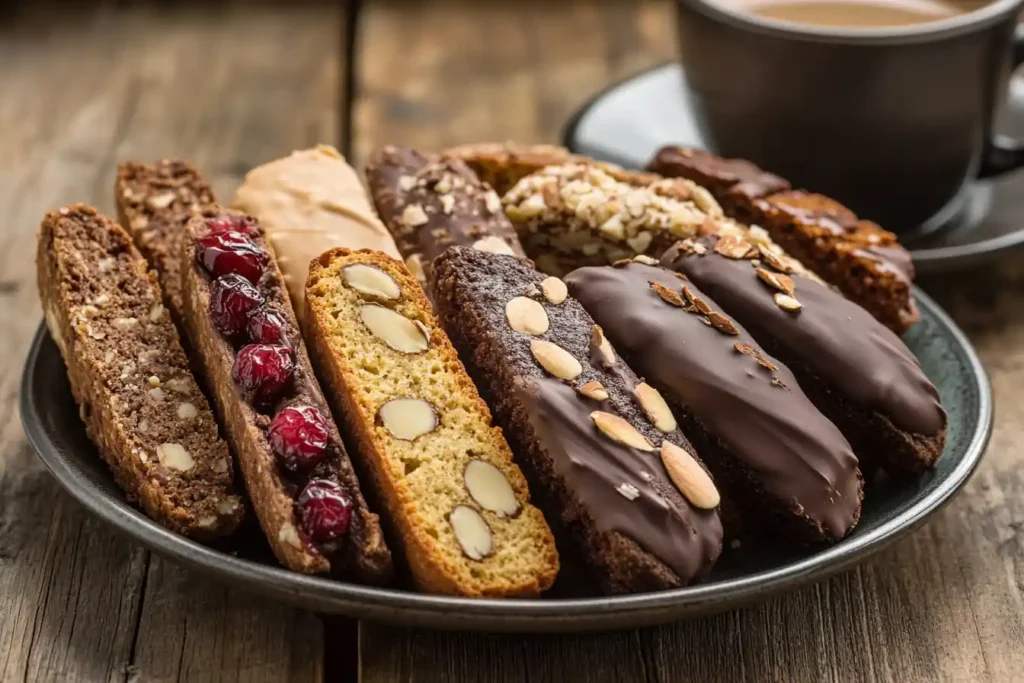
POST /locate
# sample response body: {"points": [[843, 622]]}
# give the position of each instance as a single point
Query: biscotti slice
{"points": [[774, 456], [855, 370], [430, 204], [503, 164], [309, 202], [459, 505], [140, 404], [600, 448], [154, 201], [298, 475], [864, 261]]}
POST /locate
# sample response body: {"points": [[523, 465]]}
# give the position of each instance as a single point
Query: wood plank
{"points": [[943, 605]]}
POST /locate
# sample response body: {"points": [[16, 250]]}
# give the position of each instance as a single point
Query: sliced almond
{"points": [[414, 216], [555, 359], [722, 323], [174, 456], [780, 263], [489, 487], [601, 347], [394, 329], [617, 429], [494, 245], [654, 405], [783, 283], [371, 281], [734, 247], [787, 303], [668, 295], [472, 532], [595, 390], [526, 316], [408, 418], [645, 259], [689, 477], [554, 290]]}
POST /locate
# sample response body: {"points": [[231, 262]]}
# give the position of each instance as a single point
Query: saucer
{"points": [[629, 121]]}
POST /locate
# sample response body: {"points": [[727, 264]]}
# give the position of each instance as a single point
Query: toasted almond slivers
{"points": [[413, 216], [656, 408], [645, 259], [556, 360], [689, 477], [787, 302], [394, 329], [472, 532], [617, 429], [600, 344], [595, 390], [722, 323], [371, 281], [408, 418], [554, 289], [668, 295], [783, 283], [489, 487], [734, 247], [526, 315]]}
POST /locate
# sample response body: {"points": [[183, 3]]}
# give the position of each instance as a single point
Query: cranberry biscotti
{"points": [[128, 373], [459, 506]]}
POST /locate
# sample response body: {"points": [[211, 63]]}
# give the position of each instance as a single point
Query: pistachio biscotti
{"points": [[444, 473]]}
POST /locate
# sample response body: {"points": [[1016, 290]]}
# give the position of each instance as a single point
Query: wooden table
{"points": [[231, 84]]}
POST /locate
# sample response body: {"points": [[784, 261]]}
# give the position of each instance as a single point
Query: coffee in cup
{"points": [[857, 13]]}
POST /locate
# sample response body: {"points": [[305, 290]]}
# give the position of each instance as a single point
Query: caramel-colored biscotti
{"points": [[444, 473], [128, 373]]}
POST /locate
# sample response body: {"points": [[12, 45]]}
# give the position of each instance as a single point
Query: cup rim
{"points": [[982, 17]]}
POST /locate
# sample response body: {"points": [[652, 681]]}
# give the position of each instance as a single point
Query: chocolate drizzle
{"points": [[835, 337], [774, 432]]}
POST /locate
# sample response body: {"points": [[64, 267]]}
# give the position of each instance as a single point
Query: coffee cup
{"points": [[894, 121]]}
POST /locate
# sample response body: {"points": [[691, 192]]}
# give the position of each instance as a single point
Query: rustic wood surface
{"points": [[230, 84]]}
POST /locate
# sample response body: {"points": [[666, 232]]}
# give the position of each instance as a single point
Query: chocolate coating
{"points": [[762, 423]]}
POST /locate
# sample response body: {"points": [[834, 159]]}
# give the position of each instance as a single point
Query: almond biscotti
{"points": [[128, 373], [460, 507], [302, 486]]}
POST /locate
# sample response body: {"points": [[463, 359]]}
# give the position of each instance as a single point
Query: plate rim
{"points": [[513, 615]]}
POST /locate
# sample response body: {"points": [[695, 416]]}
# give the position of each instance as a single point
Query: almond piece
{"points": [[617, 429], [415, 265], [526, 316], [494, 245], [780, 263], [722, 323], [645, 259], [656, 408], [394, 329], [371, 281], [628, 491], [472, 532], [669, 296], [783, 283], [489, 487], [174, 456], [689, 477], [414, 216], [408, 418], [600, 346], [160, 201], [595, 390], [554, 290], [787, 302], [187, 411], [734, 247], [556, 360]]}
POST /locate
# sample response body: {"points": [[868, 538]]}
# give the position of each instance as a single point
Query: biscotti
{"points": [[503, 164], [297, 472], [309, 202], [773, 454], [855, 370], [430, 204], [601, 448], [154, 201], [864, 261], [128, 373], [445, 475]]}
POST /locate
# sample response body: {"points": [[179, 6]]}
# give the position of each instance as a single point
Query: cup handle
{"points": [[1003, 154]]}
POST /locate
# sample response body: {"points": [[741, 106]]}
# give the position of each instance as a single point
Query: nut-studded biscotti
{"points": [[774, 456], [459, 505], [601, 448], [864, 261], [309, 202], [154, 201], [430, 204], [135, 392], [503, 164], [298, 475]]}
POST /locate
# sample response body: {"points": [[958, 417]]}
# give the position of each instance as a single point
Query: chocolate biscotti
{"points": [[459, 505], [773, 454], [857, 372], [864, 261], [298, 475], [429, 204], [600, 447], [128, 373], [154, 201]]}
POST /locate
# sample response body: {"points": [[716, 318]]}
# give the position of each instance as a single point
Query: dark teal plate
{"points": [[746, 575]]}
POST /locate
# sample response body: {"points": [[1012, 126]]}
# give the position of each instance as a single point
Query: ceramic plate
{"points": [[748, 574]]}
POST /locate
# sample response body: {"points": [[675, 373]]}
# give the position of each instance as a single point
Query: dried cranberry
{"points": [[232, 299], [239, 223], [298, 434], [325, 510], [231, 252], [263, 371], [267, 327]]}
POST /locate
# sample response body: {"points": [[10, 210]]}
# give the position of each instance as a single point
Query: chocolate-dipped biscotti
{"points": [[773, 454], [128, 373], [857, 372], [429, 204], [600, 447], [864, 261], [240, 322], [459, 506]]}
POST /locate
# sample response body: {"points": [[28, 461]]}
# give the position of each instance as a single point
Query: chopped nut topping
{"points": [[628, 491], [734, 247], [160, 201], [413, 216], [187, 411], [722, 323], [641, 242], [595, 390], [494, 245], [492, 201], [749, 350], [406, 183], [447, 204], [787, 303], [645, 259], [780, 263], [781, 282], [668, 295], [617, 429]]}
